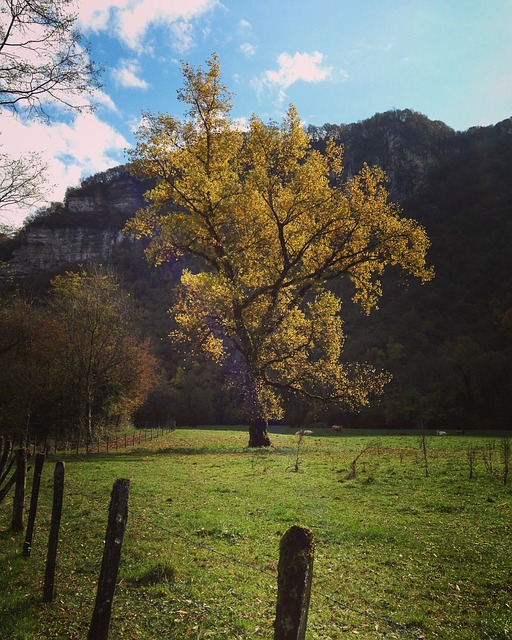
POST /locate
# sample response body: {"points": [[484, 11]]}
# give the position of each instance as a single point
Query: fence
{"points": [[81, 445], [295, 567]]}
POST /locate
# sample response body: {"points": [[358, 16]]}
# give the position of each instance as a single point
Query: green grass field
{"points": [[398, 554]]}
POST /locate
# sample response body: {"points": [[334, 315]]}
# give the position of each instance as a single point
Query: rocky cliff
{"points": [[87, 227], [50, 249]]}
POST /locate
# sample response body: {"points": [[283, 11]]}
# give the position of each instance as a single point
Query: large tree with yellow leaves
{"points": [[270, 224]]}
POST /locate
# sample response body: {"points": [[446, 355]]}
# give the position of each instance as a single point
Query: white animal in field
{"points": [[337, 427], [303, 432], [441, 433]]}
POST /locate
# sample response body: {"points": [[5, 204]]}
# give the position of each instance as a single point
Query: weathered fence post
{"points": [[295, 573], [36, 483], [51, 558], [117, 517], [18, 510]]}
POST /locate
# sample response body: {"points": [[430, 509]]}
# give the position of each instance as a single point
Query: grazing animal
{"points": [[442, 433], [337, 427], [303, 432]]}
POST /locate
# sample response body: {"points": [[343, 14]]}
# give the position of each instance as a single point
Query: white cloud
{"points": [[97, 14], [182, 36], [72, 151], [248, 49], [101, 99], [243, 123], [130, 19], [305, 67], [301, 66], [128, 75]]}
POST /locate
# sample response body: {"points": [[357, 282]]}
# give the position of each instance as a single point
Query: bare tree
{"points": [[23, 181], [43, 62], [43, 66]]}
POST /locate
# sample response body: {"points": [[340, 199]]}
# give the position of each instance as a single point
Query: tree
{"points": [[28, 374], [42, 60], [105, 372], [22, 181], [43, 65], [270, 224]]}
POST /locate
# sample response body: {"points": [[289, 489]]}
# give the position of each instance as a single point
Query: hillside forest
{"points": [[447, 343]]}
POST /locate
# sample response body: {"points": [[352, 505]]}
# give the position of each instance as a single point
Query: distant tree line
{"points": [[70, 363]]}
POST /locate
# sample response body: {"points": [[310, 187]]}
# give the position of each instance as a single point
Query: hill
{"points": [[448, 343]]}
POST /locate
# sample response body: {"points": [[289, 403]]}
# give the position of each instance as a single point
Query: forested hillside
{"points": [[448, 343]]}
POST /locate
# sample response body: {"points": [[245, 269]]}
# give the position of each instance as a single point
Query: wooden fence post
{"points": [[36, 483], [18, 510], [51, 558], [117, 517], [295, 573]]}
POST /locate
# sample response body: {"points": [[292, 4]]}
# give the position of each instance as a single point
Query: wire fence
{"points": [[81, 445], [140, 520], [374, 618]]}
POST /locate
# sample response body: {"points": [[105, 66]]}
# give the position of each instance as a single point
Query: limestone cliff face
{"points": [[86, 228], [118, 197], [51, 249]]}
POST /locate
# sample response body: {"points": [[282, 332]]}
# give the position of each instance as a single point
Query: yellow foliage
{"points": [[273, 224]]}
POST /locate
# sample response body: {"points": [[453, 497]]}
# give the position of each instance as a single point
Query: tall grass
{"points": [[398, 554]]}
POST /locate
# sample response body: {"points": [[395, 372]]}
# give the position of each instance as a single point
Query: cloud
{"points": [[130, 20], [248, 49], [301, 66], [101, 99], [305, 67], [243, 123], [182, 36], [127, 75], [71, 151]]}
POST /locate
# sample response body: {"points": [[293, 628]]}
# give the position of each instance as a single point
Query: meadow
{"points": [[398, 553]]}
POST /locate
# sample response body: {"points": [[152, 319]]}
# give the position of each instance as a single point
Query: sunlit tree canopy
{"points": [[271, 224]]}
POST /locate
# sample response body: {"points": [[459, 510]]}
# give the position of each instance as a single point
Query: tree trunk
{"points": [[19, 492], [258, 434]]}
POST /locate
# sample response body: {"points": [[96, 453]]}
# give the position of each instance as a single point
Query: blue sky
{"points": [[337, 61]]}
